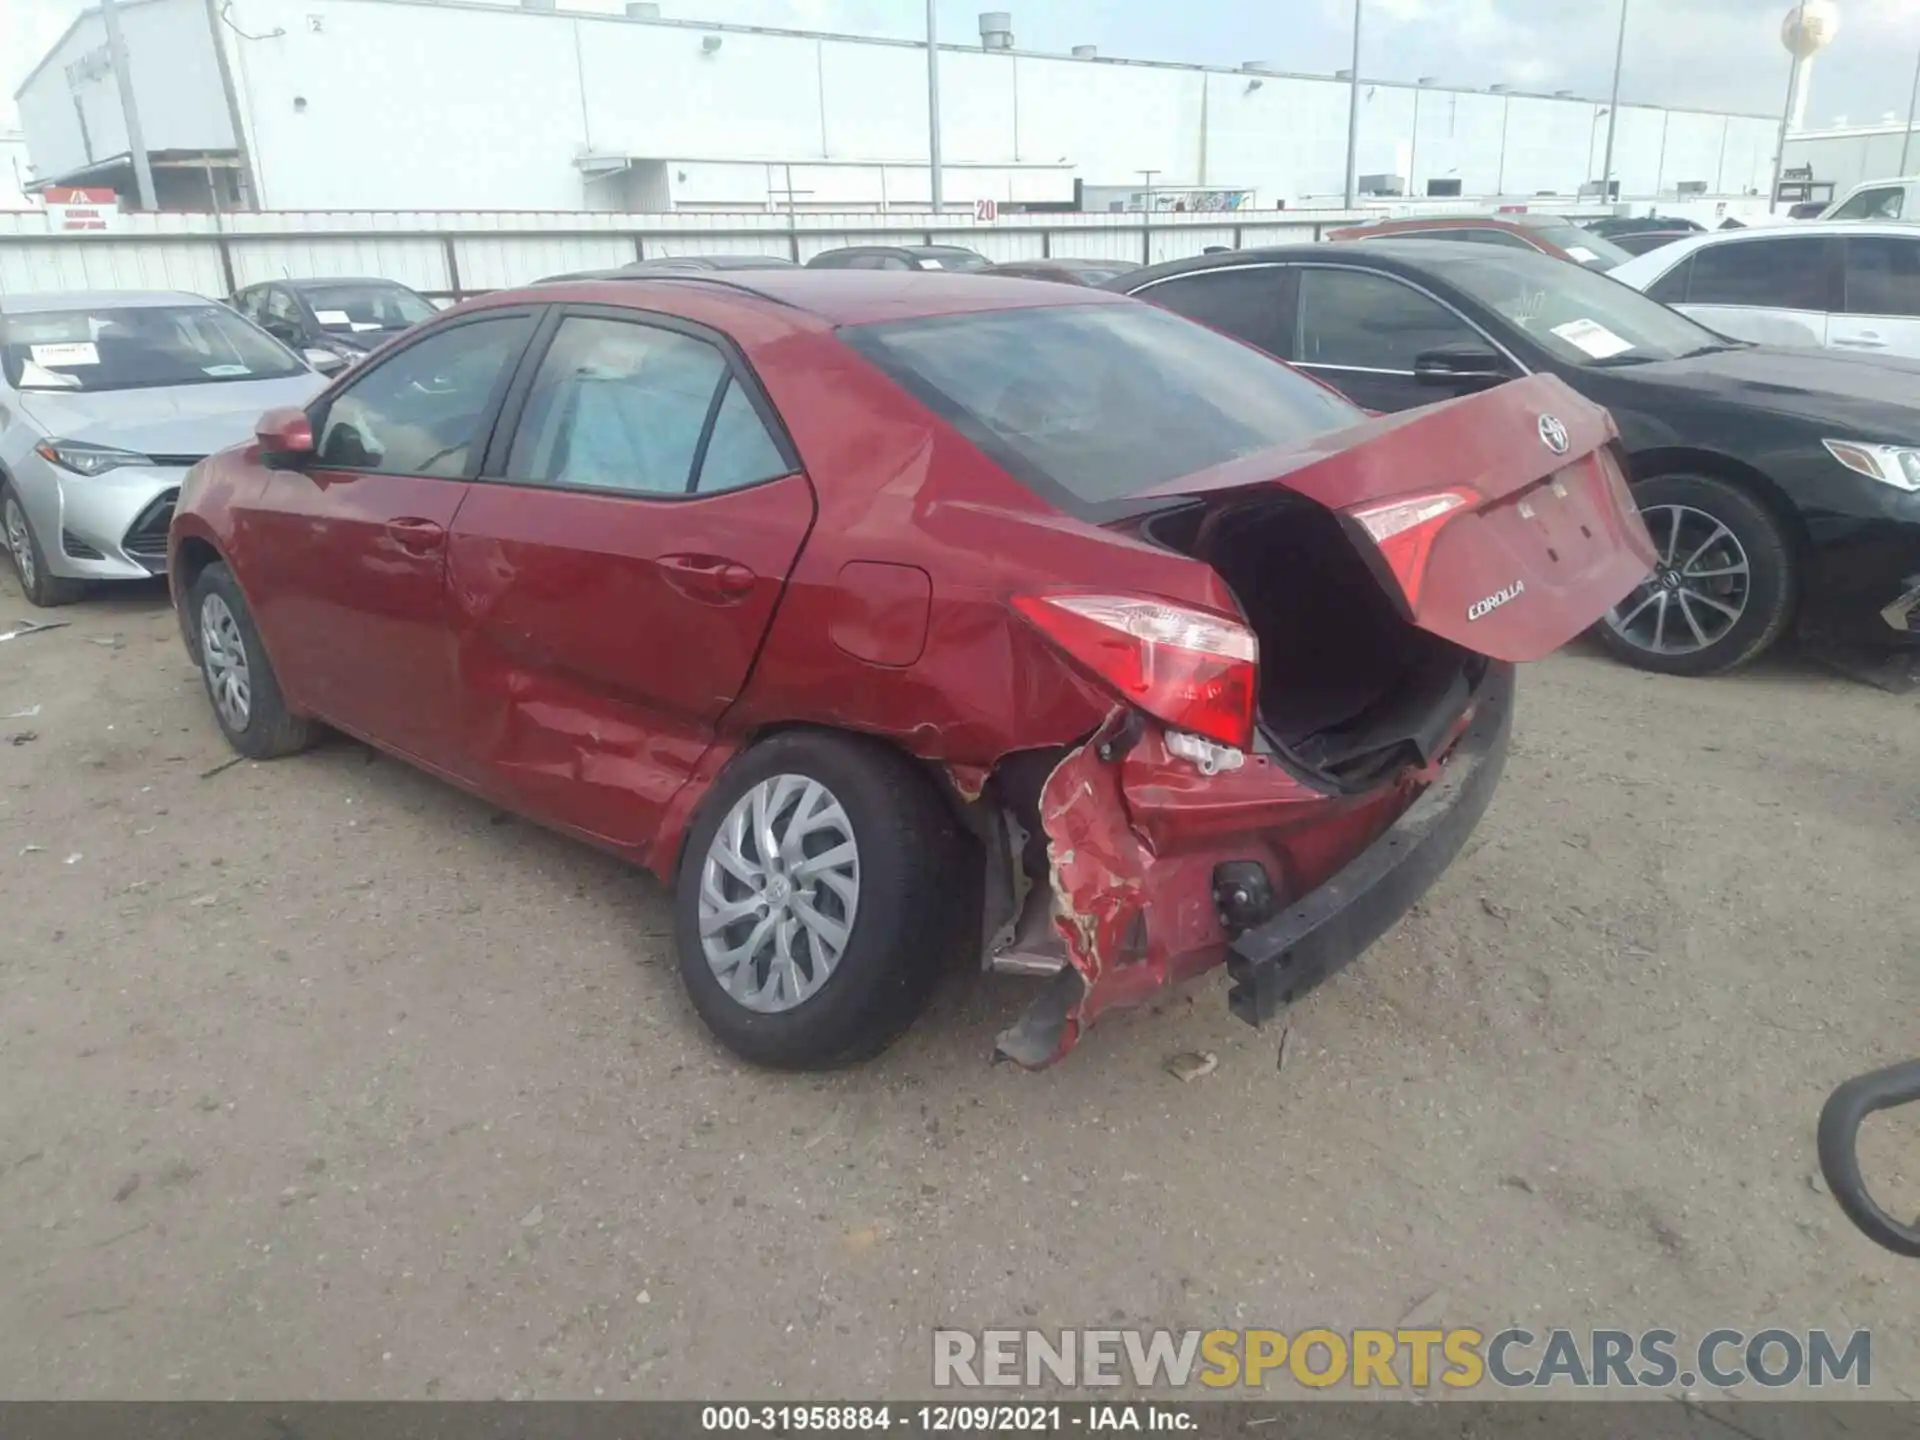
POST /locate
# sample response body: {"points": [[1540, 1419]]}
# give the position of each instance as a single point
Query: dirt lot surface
{"points": [[318, 1078]]}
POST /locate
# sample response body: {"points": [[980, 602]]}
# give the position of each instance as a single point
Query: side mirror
{"points": [[286, 438], [1459, 365], [325, 361]]}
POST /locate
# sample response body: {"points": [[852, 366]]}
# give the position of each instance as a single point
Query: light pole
{"points": [[1613, 109], [933, 107], [129, 110], [1913, 103], [1353, 112]]}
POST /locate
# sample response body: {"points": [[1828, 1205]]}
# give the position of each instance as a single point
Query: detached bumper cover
{"points": [[1334, 923]]}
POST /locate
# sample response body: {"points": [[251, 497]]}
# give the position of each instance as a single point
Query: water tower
{"points": [[1808, 29]]}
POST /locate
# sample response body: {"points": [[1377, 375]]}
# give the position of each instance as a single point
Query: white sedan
{"points": [[1851, 285]]}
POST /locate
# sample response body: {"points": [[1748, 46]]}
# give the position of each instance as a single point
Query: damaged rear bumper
{"points": [[1134, 844], [1333, 924]]}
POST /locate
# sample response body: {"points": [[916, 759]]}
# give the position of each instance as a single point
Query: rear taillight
{"points": [[1189, 668], [1405, 530]]}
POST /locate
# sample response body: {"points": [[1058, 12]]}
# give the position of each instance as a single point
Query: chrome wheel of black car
{"points": [[1698, 591]]}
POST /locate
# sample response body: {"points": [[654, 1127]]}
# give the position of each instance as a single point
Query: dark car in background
{"points": [[675, 265], [1612, 227], [1066, 271], [1553, 235], [1780, 484], [899, 257], [342, 318]]}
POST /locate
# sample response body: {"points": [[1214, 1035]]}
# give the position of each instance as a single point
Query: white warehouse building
{"points": [[444, 105]]}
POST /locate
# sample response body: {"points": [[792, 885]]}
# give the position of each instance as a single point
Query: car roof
{"points": [[1431, 222], [1658, 262], [42, 301], [314, 282], [1399, 255], [838, 297]]}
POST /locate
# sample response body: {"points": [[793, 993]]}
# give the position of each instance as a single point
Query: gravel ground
{"points": [[321, 1079]]}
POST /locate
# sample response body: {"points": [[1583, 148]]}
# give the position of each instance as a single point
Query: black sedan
{"points": [[342, 318], [1780, 484]]}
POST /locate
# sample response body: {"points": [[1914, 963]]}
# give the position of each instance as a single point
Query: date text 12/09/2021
{"points": [[948, 1419]]}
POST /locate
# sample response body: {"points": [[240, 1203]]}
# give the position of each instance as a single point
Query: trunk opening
{"points": [[1350, 689]]}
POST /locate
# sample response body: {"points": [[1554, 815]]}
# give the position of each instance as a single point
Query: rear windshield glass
{"points": [[1101, 402], [1596, 252], [350, 309], [133, 347]]}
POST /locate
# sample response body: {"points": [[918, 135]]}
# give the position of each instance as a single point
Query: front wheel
{"points": [[39, 584], [817, 900], [240, 682], [1723, 589]]}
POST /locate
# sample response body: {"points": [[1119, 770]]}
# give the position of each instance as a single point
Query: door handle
{"points": [[417, 537], [712, 578]]}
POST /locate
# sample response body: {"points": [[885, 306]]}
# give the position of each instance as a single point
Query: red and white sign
{"points": [[74, 209], [986, 211]]}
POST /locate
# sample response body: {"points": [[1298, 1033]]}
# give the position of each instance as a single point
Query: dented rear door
{"points": [[1501, 521]]}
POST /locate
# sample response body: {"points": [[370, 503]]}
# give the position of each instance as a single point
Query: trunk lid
{"points": [[1500, 521]]}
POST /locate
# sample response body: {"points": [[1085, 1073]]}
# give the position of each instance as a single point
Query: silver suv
{"points": [[106, 398]]}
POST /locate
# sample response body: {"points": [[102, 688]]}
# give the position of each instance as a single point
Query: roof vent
{"points": [[1563, 94], [1498, 89], [996, 30], [1259, 67], [539, 7], [1086, 52], [1343, 74], [642, 10], [1426, 80]]}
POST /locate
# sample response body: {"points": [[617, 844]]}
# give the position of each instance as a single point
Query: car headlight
{"points": [[84, 459], [1897, 465]]}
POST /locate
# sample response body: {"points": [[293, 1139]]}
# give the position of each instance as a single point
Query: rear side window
{"points": [[1773, 274], [1883, 275], [1885, 203], [424, 411], [1671, 288], [1092, 404], [623, 406], [1243, 302]]}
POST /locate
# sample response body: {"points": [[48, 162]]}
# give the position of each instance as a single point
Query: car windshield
{"points": [[1097, 403], [1595, 252], [138, 346], [950, 257], [357, 309], [1577, 315]]}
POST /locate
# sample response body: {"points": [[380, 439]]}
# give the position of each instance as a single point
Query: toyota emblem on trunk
{"points": [[1553, 434]]}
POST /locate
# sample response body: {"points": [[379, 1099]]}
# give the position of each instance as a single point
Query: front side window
{"points": [[623, 406], [424, 410], [138, 347], [1885, 203], [1788, 273], [1883, 275], [1369, 322], [1093, 404]]}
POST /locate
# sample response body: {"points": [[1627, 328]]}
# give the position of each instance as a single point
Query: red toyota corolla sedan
{"points": [[885, 614]]}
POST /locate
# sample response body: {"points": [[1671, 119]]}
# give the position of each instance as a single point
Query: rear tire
{"points": [[1721, 551], [40, 585], [900, 884], [247, 703]]}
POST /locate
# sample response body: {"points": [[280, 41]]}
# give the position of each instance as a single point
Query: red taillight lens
{"points": [[1405, 530], [1194, 670]]}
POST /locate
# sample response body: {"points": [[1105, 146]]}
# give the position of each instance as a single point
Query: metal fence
{"points": [[450, 255]]}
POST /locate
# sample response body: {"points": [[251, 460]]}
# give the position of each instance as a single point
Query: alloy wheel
{"points": [[224, 654], [1695, 595], [779, 891], [20, 542]]}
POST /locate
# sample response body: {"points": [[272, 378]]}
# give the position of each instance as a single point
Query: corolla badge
{"points": [[1480, 609], [1553, 434]]}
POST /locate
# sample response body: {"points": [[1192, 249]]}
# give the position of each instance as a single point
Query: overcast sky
{"points": [[1703, 53]]}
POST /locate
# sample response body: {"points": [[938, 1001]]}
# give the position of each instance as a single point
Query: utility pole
{"points": [[1353, 113], [1780, 150], [1613, 109], [249, 183], [1913, 105], [129, 111], [933, 107]]}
